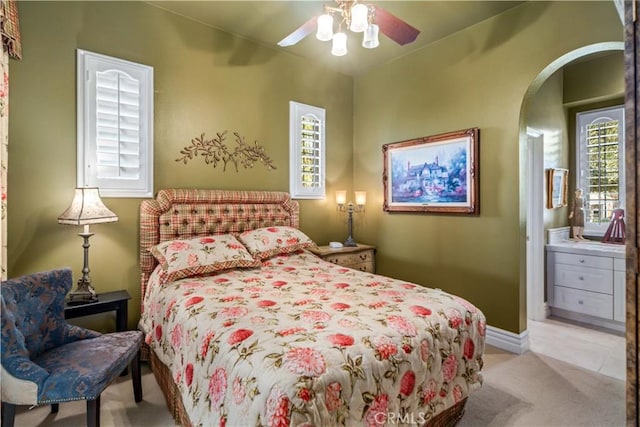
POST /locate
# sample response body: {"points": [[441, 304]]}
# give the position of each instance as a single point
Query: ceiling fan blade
{"points": [[395, 28], [303, 31]]}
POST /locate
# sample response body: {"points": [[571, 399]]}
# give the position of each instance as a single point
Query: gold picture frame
{"points": [[433, 174], [557, 187]]}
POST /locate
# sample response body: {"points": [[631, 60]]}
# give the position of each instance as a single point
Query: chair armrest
{"points": [[71, 333], [21, 380], [22, 367]]}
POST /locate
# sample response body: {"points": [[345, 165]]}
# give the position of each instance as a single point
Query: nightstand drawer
{"points": [[584, 260], [588, 279], [350, 259], [584, 302], [361, 257], [368, 267]]}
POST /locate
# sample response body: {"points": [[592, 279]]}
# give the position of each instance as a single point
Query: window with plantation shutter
{"points": [[306, 151], [115, 126], [600, 158]]}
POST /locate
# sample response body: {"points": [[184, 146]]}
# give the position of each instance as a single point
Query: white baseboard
{"points": [[509, 341]]}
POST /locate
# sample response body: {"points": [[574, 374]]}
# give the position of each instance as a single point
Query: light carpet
{"points": [[538, 391], [518, 390]]}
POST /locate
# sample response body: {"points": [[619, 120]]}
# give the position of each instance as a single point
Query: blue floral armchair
{"points": [[46, 360]]}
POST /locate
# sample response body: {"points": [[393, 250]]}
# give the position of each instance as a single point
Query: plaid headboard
{"points": [[188, 213]]}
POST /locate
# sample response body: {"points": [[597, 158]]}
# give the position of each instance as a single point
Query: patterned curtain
{"points": [[11, 48]]}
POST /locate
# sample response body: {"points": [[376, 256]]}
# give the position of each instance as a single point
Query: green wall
{"points": [[597, 79], [475, 78], [546, 114], [205, 81]]}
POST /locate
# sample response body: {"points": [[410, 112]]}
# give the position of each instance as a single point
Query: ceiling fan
{"points": [[357, 17]]}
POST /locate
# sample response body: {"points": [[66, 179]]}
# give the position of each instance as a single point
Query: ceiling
{"points": [[268, 22]]}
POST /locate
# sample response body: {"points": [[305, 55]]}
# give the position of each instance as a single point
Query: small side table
{"points": [[361, 257], [107, 301]]}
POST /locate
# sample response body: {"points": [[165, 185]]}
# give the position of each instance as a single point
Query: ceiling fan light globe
{"points": [[339, 46], [359, 18], [370, 40], [325, 27]]}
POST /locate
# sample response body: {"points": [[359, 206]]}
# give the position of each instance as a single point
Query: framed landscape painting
{"points": [[433, 174]]}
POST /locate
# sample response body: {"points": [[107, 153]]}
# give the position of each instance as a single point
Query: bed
{"points": [[281, 337]]}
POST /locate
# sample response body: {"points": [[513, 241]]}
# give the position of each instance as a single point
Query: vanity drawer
{"points": [[588, 279], [619, 264], [585, 302], [584, 260]]}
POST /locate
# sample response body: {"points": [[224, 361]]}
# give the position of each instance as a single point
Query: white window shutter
{"points": [[306, 151], [115, 126]]}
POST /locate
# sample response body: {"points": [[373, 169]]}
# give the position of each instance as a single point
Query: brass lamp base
{"points": [[350, 242], [84, 294]]}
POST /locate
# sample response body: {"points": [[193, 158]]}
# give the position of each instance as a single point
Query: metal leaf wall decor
{"points": [[215, 150]]}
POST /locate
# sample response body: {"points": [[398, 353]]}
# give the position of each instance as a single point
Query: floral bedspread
{"points": [[303, 342]]}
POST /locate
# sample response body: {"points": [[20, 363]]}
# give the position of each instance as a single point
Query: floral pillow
{"points": [[201, 255], [266, 242]]}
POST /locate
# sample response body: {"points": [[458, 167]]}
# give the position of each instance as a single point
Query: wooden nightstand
{"points": [[361, 257], [108, 301]]}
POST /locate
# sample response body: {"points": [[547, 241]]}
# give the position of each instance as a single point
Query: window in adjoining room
{"points": [[306, 151], [600, 158], [115, 125]]}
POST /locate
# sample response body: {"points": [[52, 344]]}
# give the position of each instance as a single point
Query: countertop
{"points": [[588, 247]]}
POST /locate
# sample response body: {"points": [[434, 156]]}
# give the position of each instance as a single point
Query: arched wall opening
{"points": [[531, 178]]}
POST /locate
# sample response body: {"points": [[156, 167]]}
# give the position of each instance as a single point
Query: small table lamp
{"points": [[86, 208], [361, 200]]}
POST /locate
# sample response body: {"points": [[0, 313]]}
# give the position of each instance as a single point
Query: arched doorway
{"points": [[532, 179]]}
